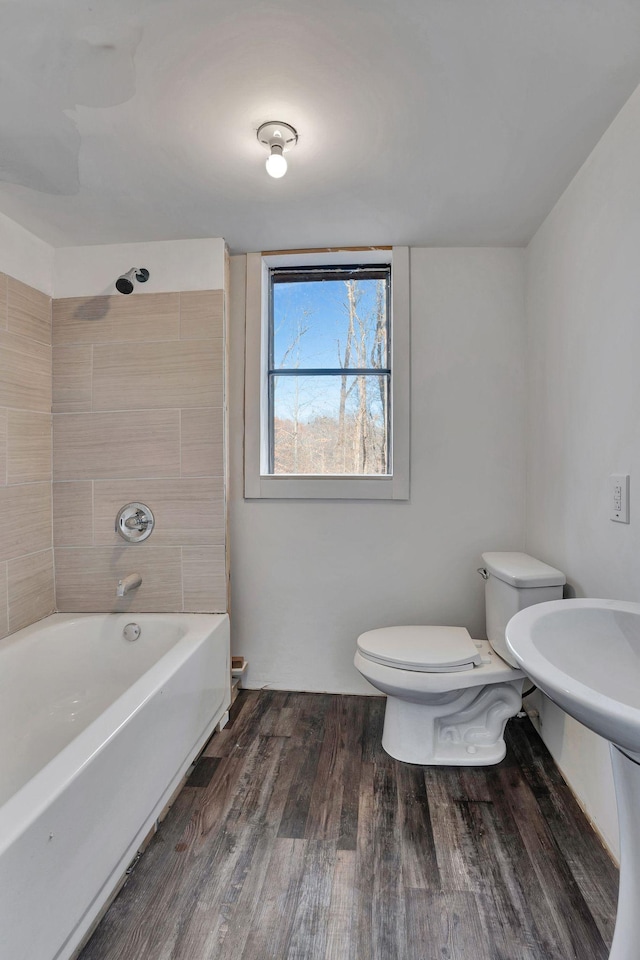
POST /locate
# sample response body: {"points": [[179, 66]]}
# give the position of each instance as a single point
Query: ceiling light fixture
{"points": [[278, 138]]}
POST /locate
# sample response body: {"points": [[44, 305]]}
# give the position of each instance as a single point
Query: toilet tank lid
{"points": [[521, 570]]}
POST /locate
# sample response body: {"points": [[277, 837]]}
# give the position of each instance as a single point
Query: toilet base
{"points": [[466, 731]]}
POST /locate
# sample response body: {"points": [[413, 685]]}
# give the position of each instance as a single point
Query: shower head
{"points": [[124, 284]]}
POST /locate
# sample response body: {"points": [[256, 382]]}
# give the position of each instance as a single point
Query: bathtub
{"points": [[96, 733]]}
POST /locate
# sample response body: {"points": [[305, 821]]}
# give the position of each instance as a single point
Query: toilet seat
{"points": [[423, 649]]}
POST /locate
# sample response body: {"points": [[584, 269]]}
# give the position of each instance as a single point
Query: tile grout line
{"points": [[182, 575], [23, 556], [27, 483], [181, 477], [6, 578], [53, 549], [112, 546], [120, 343], [84, 413], [6, 447], [174, 479]]}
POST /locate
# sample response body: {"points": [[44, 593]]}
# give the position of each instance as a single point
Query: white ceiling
{"points": [[420, 121]]}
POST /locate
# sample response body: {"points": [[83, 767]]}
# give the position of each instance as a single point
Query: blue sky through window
{"points": [[310, 323]]}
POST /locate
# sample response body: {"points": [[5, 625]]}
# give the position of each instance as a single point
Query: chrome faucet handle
{"points": [[138, 521], [134, 522]]}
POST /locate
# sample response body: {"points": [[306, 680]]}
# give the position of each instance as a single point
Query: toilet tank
{"points": [[515, 581]]}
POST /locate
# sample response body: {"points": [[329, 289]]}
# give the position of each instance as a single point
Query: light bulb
{"points": [[276, 163]]}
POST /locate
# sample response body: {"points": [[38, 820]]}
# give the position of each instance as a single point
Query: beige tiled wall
{"points": [[138, 415], [26, 555]]}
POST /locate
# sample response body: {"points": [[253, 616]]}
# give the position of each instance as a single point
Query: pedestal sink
{"points": [[585, 655]]}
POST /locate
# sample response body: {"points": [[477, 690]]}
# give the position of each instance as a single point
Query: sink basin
{"points": [[585, 655]]}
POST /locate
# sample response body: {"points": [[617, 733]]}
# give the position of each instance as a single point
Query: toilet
{"points": [[448, 696]]}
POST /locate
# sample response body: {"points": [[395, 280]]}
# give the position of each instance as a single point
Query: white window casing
{"points": [[258, 483]]}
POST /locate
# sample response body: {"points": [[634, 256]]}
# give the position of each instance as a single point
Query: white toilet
{"points": [[449, 697]]}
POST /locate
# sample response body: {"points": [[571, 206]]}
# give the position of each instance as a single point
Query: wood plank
{"points": [[307, 744], [372, 732], [280, 719], [296, 813], [242, 898], [531, 756], [272, 253], [241, 731], [443, 925], [203, 771], [419, 861], [207, 904], [578, 933], [164, 888], [590, 863], [388, 926], [310, 923], [126, 926], [516, 924], [354, 721], [310, 716], [453, 835], [325, 806], [340, 914], [362, 923], [269, 932]]}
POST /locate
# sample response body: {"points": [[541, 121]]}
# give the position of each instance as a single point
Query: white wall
{"points": [[174, 265], [583, 305], [309, 576], [25, 257]]}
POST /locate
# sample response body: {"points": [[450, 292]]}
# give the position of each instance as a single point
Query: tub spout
{"points": [[128, 583]]}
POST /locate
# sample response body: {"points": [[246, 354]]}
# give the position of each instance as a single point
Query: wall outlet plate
{"points": [[619, 497]]}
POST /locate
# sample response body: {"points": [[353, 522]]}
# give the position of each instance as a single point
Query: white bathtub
{"points": [[96, 733]]}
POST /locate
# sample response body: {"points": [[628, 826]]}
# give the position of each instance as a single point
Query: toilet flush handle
{"points": [[483, 573]]}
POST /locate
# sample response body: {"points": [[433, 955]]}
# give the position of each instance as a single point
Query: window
{"points": [[327, 375], [329, 370]]}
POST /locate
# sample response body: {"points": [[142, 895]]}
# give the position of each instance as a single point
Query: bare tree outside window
{"points": [[329, 376]]}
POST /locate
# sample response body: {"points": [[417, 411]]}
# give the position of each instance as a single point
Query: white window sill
{"points": [[327, 488]]}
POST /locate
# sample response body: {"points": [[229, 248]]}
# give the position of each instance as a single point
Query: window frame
{"points": [[258, 483]]}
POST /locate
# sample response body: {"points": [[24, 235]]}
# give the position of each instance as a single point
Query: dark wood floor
{"points": [[297, 837]]}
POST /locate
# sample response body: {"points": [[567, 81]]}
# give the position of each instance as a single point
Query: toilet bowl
{"points": [[437, 716], [449, 696]]}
